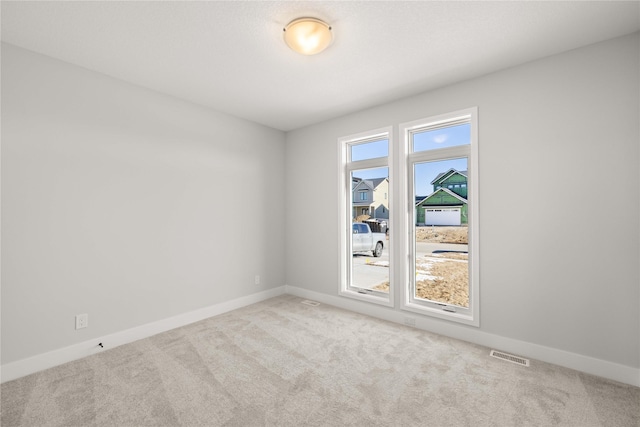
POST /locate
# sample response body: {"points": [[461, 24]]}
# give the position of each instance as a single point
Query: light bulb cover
{"points": [[308, 36]]}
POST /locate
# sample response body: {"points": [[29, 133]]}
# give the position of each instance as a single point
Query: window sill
{"points": [[375, 298], [465, 318]]}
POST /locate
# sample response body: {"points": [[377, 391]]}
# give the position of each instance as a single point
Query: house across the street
{"points": [[370, 197], [447, 204]]}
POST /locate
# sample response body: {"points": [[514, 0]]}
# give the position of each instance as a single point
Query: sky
{"points": [[424, 172]]}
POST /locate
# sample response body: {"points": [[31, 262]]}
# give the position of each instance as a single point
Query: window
{"points": [[366, 259], [432, 214], [442, 272]]}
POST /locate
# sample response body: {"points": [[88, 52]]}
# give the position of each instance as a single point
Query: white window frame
{"points": [[346, 166], [470, 316]]}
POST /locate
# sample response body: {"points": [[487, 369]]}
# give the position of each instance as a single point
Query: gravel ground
{"points": [[442, 234]]}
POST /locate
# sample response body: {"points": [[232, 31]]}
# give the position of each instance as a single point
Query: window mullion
{"points": [[368, 164], [441, 154]]}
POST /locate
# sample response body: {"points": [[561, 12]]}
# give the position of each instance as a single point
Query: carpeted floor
{"points": [[283, 363]]}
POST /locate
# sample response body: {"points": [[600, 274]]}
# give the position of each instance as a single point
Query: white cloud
{"points": [[439, 139]]}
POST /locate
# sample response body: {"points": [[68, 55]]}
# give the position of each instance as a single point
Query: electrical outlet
{"points": [[257, 280], [82, 321]]}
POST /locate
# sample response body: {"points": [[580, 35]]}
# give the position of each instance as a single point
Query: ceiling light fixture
{"points": [[308, 36]]}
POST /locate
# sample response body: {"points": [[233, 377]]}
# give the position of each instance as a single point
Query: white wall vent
{"points": [[509, 358], [311, 303]]}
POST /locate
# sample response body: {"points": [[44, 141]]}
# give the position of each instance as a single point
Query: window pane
{"points": [[369, 238], [444, 137], [441, 259], [370, 150]]}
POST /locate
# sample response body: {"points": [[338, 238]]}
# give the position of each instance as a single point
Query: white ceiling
{"points": [[230, 56]]}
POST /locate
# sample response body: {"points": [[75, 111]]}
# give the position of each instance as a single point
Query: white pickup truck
{"points": [[365, 240]]}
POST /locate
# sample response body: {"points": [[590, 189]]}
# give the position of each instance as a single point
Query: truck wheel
{"points": [[378, 250]]}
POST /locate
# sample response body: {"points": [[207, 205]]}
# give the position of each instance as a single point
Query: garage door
{"points": [[442, 216]]}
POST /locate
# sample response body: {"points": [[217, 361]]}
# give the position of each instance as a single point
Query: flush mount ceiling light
{"points": [[308, 36]]}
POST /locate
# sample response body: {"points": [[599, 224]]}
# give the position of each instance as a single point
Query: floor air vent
{"points": [[509, 358], [311, 303]]}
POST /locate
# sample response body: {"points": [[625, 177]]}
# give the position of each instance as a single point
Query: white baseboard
{"points": [[23, 367], [589, 365]]}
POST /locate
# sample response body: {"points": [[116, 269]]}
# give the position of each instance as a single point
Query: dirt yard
{"points": [[442, 234], [441, 277]]}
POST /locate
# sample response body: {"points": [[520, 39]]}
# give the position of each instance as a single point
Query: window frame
{"points": [[470, 316], [345, 210]]}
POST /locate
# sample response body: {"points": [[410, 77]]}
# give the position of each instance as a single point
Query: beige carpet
{"points": [[283, 363]]}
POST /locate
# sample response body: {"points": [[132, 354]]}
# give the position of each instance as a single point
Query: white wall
{"points": [[132, 206], [126, 204], [559, 203]]}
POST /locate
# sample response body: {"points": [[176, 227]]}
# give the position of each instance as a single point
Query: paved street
{"points": [[365, 275], [427, 248]]}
